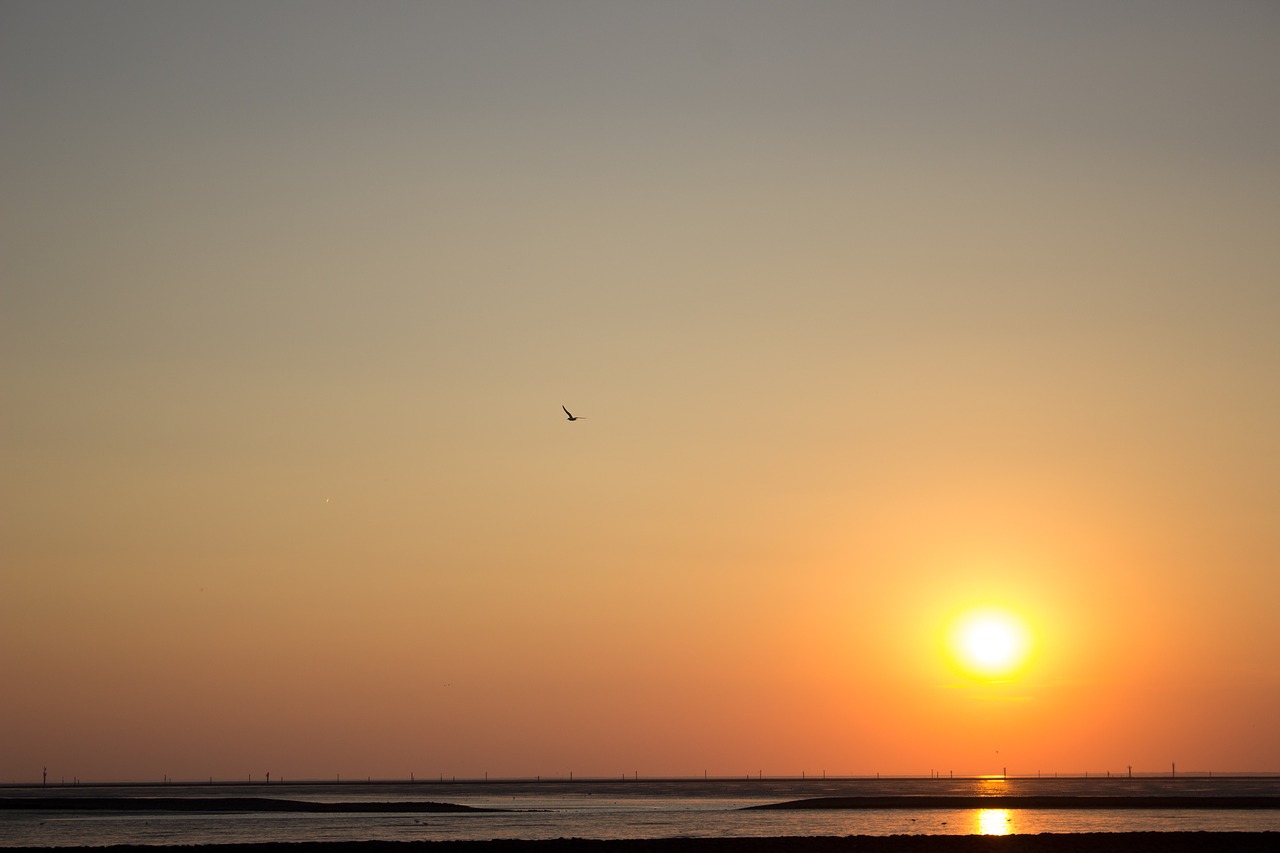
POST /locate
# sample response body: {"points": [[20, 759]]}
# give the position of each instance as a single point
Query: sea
{"points": [[625, 808]]}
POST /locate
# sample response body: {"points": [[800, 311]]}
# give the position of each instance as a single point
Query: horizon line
{"points": [[486, 779]]}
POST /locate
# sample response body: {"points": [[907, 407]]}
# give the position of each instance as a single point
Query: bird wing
{"points": [[566, 411]]}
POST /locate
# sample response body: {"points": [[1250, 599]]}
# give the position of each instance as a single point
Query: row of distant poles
{"points": [[933, 774], [1004, 771]]}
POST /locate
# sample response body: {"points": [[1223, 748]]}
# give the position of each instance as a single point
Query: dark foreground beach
{"points": [[1102, 842]]}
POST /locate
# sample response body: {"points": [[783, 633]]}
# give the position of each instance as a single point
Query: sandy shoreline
{"points": [[1105, 842]]}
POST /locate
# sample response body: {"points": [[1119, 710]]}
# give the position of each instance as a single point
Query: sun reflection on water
{"points": [[992, 822]]}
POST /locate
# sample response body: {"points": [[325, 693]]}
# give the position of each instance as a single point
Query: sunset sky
{"points": [[875, 313]]}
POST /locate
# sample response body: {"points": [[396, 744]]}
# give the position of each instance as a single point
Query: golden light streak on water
{"points": [[993, 822]]}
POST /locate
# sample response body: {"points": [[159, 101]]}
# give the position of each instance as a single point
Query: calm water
{"points": [[629, 809]]}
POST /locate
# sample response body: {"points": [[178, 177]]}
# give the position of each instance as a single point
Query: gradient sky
{"points": [[875, 312]]}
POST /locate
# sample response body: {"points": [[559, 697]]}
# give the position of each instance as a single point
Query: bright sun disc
{"points": [[989, 644]]}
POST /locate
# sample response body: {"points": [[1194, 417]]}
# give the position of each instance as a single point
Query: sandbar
{"points": [[222, 804], [1032, 802]]}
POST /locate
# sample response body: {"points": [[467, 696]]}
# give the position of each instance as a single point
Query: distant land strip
{"points": [[269, 804], [218, 804], [1095, 842], [1030, 802]]}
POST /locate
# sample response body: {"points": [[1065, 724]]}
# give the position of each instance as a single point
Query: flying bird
{"points": [[570, 414]]}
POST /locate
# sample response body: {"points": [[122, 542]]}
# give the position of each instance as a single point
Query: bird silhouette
{"points": [[570, 414]]}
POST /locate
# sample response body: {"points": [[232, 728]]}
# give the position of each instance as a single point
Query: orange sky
{"points": [[875, 313]]}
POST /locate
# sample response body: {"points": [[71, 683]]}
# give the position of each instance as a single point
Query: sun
{"points": [[989, 644]]}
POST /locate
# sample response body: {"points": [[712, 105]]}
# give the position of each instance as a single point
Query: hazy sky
{"points": [[874, 312]]}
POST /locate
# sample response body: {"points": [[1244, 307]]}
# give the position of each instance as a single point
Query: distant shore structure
{"points": [[571, 776]]}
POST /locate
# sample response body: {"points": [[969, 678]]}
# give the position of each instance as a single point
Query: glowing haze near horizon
{"points": [[875, 313]]}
